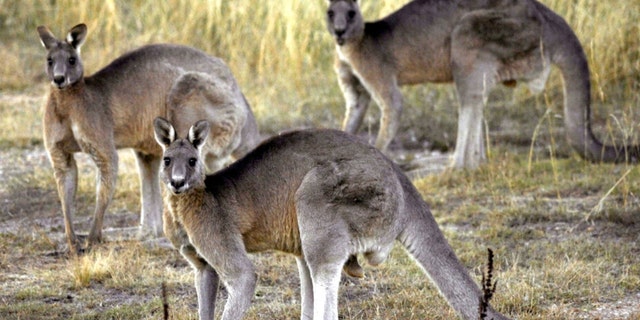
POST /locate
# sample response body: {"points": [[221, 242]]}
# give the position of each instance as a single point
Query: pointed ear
{"points": [[77, 35], [47, 38], [164, 132], [198, 133]]}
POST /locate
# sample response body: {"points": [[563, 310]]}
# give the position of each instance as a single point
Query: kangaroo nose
{"points": [[58, 80], [177, 184], [339, 32]]}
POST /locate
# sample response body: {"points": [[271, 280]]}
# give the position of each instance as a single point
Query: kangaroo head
{"points": [[182, 168], [64, 66], [344, 20]]}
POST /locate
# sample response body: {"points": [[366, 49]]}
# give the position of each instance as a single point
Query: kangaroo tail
{"points": [[425, 242], [569, 57]]}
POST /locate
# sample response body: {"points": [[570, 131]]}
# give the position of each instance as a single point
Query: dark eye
{"points": [[49, 61], [351, 14], [192, 162], [72, 61], [167, 162], [330, 14]]}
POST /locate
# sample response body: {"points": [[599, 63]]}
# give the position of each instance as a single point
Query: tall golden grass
{"points": [[280, 51]]}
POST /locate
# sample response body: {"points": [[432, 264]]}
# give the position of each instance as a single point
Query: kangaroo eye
{"points": [[49, 61], [351, 14], [330, 14], [192, 162], [72, 61], [167, 162]]}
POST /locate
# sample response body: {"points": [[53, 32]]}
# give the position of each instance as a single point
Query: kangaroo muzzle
{"points": [[178, 183]]}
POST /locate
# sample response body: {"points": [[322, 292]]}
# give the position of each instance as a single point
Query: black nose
{"points": [[58, 80], [177, 184], [339, 33]]}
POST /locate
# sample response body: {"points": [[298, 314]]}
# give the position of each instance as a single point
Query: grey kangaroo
{"points": [[318, 194], [115, 108], [477, 44]]}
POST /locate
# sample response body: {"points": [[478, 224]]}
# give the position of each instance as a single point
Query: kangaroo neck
{"points": [[70, 98], [350, 50], [187, 205]]}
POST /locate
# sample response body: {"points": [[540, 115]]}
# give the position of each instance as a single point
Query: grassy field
{"points": [[566, 233]]}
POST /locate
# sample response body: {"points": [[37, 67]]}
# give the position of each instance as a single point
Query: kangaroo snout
{"points": [[338, 34], [59, 80], [177, 185]]}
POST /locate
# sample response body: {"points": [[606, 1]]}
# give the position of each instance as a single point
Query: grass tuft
{"points": [[96, 267]]}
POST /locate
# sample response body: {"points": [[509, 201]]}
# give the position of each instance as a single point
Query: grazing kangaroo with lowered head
{"points": [[477, 44], [115, 108], [318, 194]]}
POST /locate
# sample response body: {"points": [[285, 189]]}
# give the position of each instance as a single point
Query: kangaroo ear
{"points": [[198, 133], [164, 132], [47, 38], [77, 35]]}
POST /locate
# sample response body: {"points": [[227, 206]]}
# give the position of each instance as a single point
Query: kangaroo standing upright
{"points": [[115, 108], [477, 44], [318, 194]]}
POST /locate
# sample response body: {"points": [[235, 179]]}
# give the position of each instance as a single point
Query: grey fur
{"points": [[477, 44], [320, 195]]}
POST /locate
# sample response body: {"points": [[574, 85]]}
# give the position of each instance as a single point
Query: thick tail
{"points": [[426, 243], [567, 54]]}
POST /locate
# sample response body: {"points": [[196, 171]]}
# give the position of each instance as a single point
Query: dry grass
{"points": [[282, 56], [565, 232], [554, 258]]}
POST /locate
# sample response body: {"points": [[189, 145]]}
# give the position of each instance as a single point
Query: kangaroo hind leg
{"points": [[482, 43], [150, 194], [325, 245], [306, 289], [324, 261], [106, 160]]}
